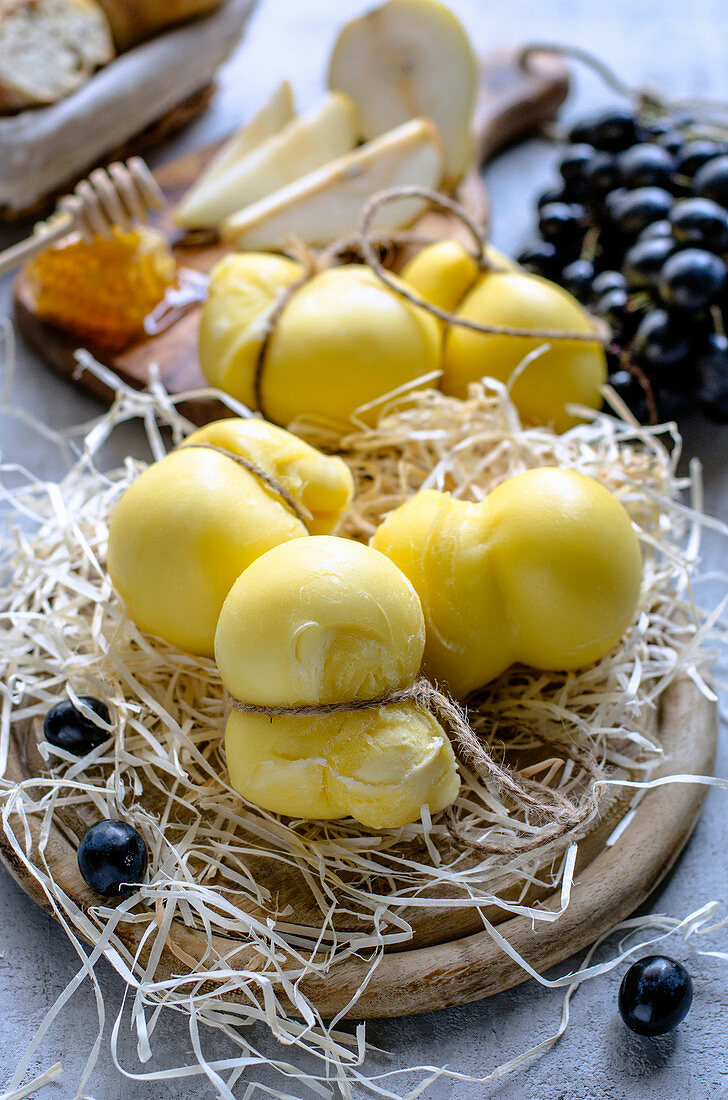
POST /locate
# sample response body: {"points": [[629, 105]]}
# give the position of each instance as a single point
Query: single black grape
{"points": [[577, 278], [692, 280], [610, 131], [656, 127], [612, 307], [646, 166], [711, 181], [644, 261], [554, 194], [655, 995], [674, 392], [656, 229], [614, 198], [637, 209], [631, 391], [67, 728], [575, 160], [712, 366], [601, 175], [112, 857], [660, 341], [540, 258], [608, 280], [700, 223], [672, 141], [695, 154], [562, 223]]}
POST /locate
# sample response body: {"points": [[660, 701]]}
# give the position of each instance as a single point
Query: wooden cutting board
{"points": [[449, 961], [512, 101]]}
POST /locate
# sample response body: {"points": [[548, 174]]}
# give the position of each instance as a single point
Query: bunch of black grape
{"points": [[638, 231]]}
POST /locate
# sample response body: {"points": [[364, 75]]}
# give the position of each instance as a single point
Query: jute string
{"points": [[367, 245], [561, 814], [262, 475], [646, 97], [269, 328], [443, 202]]}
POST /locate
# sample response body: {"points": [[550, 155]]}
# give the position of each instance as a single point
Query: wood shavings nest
{"points": [[219, 865]]}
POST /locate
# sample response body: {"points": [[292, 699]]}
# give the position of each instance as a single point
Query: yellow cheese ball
{"points": [[566, 372], [545, 571], [444, 272], [192, 522], [243, 287], [324, 620], [342, 341]]}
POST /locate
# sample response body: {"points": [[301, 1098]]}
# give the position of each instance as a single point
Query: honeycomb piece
{"points": [[102, 291]]}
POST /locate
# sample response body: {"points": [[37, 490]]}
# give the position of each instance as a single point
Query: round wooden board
{"points": [[610, 883]]}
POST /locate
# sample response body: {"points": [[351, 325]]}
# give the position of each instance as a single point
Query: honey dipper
{"points": [[109, 197]]}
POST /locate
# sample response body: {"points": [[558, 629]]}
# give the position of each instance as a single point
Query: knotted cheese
{"points": [[192, 522], [342, 341], [546, 571], [561, 372], [327, 620]]}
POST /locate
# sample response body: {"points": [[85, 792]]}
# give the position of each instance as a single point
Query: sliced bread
{"points": [[48, 49]]}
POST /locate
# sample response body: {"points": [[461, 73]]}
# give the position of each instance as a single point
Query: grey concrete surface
{"points": [[682, 47]]}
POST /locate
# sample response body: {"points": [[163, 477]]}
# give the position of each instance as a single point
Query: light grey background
{"points": [[682, 47]]}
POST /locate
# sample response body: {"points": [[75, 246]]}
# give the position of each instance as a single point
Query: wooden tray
{"points": [[450, 959], [512, 101], [443, 966]]}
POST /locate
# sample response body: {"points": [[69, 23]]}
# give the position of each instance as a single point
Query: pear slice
{"points": [[301, 145], [275, 113], [269, 120], [405, 59], [326, 205]]}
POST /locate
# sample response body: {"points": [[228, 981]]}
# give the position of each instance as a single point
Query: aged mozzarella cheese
{"points": [[327, 620]]}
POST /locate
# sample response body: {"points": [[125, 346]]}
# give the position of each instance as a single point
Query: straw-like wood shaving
{"points": [[63, 631]]}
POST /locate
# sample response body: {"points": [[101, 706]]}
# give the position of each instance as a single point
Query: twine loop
{"points": [[368, 246], [415, 299], [270, 323], [562, 814], [261, 474]]}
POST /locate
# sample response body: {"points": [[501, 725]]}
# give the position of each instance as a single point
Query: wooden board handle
{"points": [[515, 98]]}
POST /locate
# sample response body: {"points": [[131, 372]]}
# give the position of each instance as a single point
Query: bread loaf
{"points": [[134, 20], [50, 147], [48, 48]]}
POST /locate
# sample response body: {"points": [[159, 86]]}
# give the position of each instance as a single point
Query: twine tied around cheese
{"points": [[437, 200], [262, 475], [561, 814], [367, 246], [309, 268]]}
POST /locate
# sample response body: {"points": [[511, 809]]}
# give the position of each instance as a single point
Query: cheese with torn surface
{"points": [[190, 523], [546, 571], [327, 620]]}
